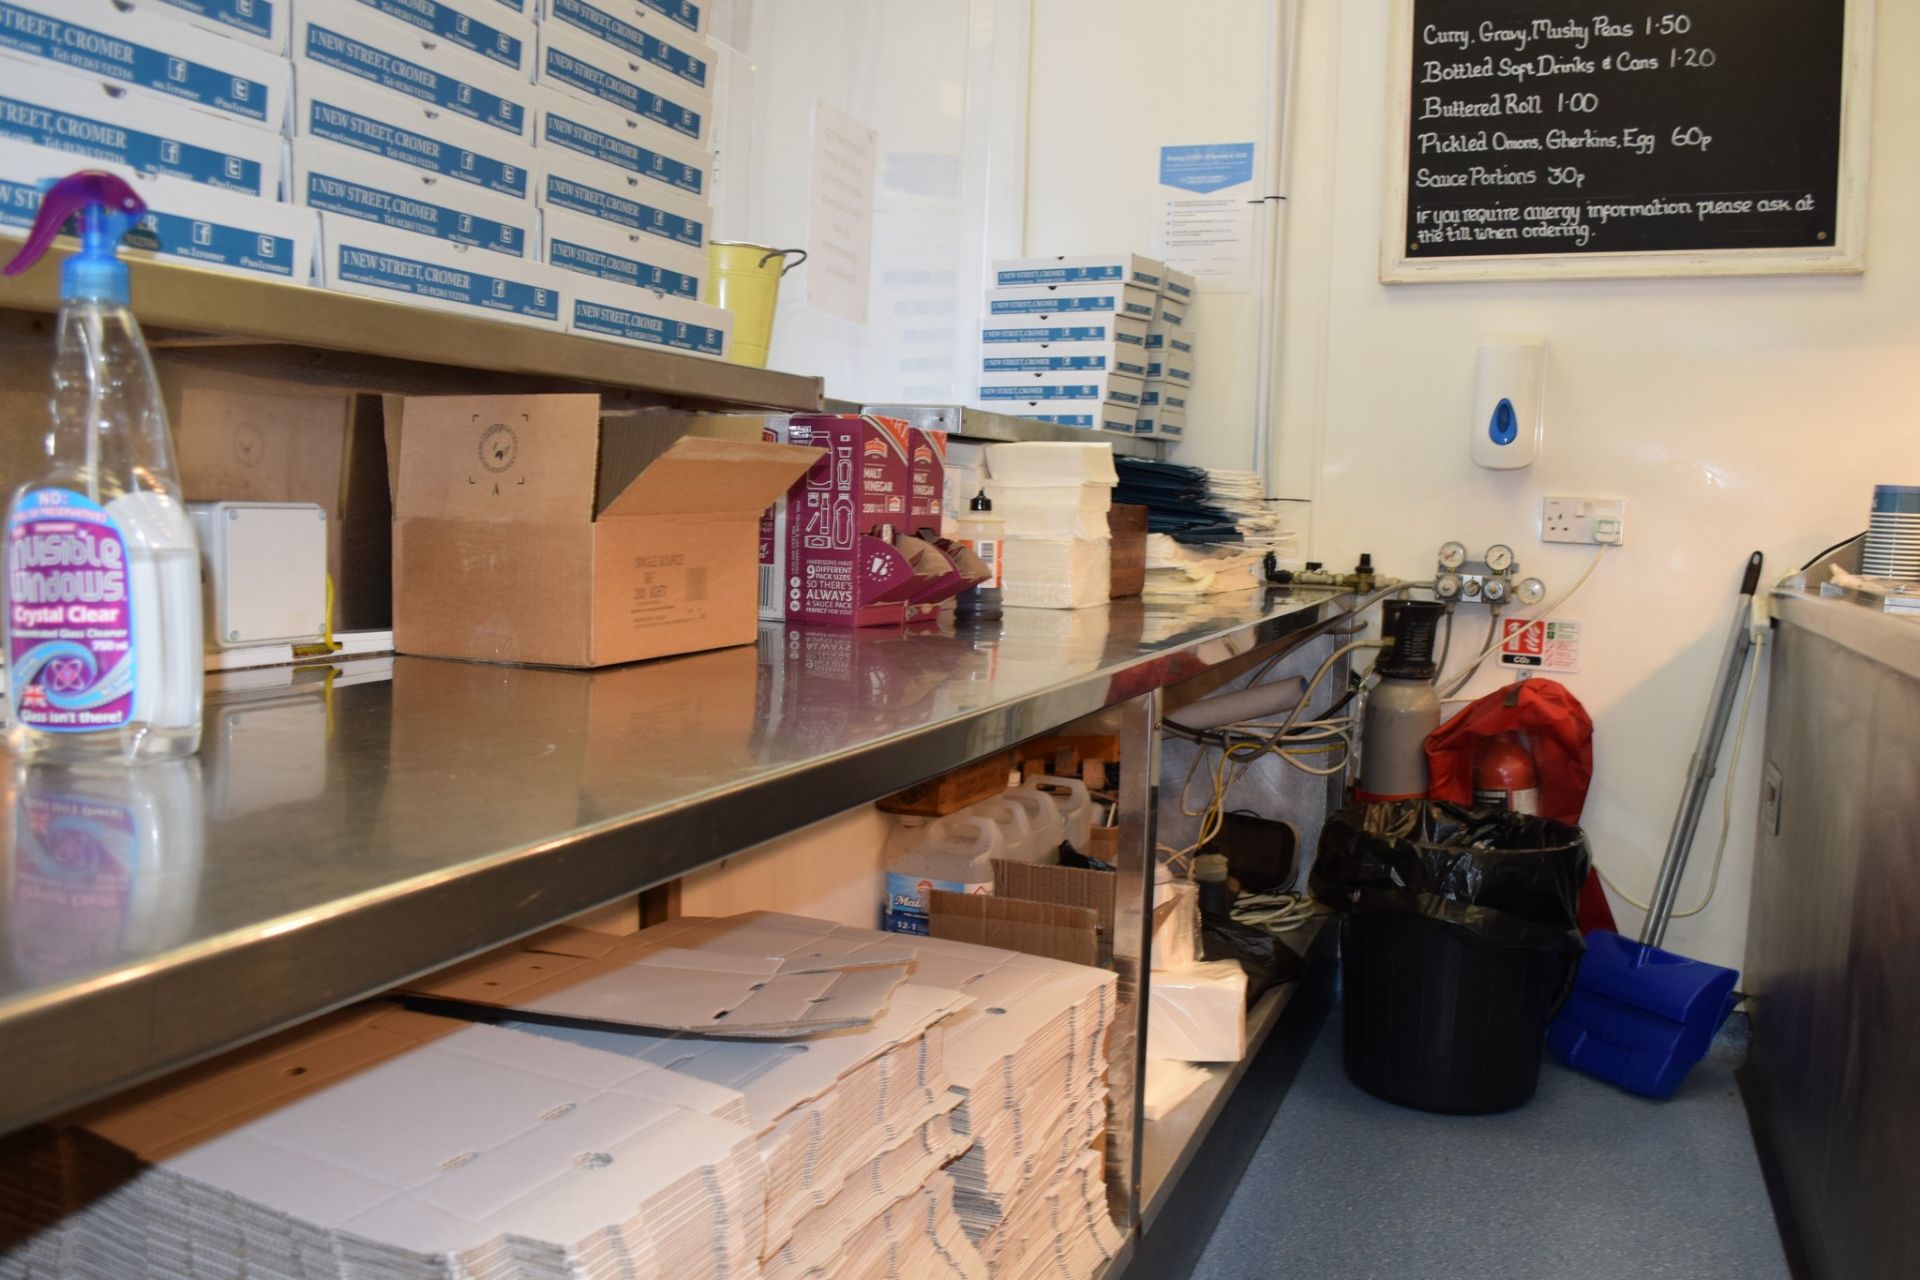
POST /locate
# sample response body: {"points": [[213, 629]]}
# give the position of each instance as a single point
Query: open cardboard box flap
{"points": [[526, 459], [699, 476]]}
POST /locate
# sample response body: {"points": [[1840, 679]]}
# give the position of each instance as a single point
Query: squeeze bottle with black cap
{"points": [[102, 587], [983, 531]]}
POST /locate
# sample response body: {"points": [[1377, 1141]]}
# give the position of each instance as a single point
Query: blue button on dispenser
{"points": [[1504, 428]]}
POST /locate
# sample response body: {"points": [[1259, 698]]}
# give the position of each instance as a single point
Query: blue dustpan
{"points": [[1640, 1017]]}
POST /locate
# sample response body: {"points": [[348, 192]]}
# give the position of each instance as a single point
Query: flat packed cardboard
{"points": [[1033, 928], [503, 554]]}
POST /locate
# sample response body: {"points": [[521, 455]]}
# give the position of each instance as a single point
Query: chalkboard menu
{"points": [[1548, 127]]}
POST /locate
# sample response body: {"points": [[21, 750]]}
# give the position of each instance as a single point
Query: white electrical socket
{"points": [[1594, 521]]}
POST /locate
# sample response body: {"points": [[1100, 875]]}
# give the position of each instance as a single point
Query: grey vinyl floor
{"points": [[1583, 1183]]}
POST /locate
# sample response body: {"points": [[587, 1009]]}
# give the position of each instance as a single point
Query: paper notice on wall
{"points": [[1552, 647], [840, 223], [1203, 218]]}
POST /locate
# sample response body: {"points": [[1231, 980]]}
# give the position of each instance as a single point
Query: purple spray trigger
{"points": [[90, 188]]}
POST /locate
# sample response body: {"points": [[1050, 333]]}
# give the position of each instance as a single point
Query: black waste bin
{"points": [[1458, 939]]}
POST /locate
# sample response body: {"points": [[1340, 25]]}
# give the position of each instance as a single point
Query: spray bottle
{"points": [[102, 586]]}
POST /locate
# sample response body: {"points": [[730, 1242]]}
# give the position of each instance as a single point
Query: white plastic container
{"points": [[1015, 823], [953, 854], [1069, 796], [1048, 829]]}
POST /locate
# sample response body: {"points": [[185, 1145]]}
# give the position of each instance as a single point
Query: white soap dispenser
{"points": [[102, 585], [1509, 395]]}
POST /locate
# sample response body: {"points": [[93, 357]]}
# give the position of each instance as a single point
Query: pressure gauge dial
{"points": [[1530, 591], [1447, 586], [1452, 556], [1494, 590], [1499, 557]]}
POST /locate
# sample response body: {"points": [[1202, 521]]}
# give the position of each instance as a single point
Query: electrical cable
{"points": [[1539, 615], [1726, 799]]}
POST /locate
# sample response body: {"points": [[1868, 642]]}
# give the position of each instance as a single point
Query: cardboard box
{"points": [[1179, 285], [608, 251], [336, 179], [185, 222], [1073, 301], [638, 32], [502, 552], [140, 49], [574, 184], [1029, 273], [378, 262], [1025, 330], [1157, 393], [249, 439], [1162, 422], [926, 480], [484, 28], [1171, 364], [333, 107], [1105, 416], [41, 105], [577, 63], [1164, 334], [1170, 309], [1058, 357], [606, 309], [954, 790], [387, 58], [1051, 388], [1012, 924], [829, 555], [686, 15], [635, 147], [261, 23]]}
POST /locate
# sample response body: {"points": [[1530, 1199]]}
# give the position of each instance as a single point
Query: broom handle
{"points": [[1706, 755]]}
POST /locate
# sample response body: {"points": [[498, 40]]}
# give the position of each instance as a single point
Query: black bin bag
{"points": [[1459, 938]]}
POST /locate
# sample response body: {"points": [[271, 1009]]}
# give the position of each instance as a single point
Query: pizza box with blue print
{"points": [[95, 120], [336, 107], [636, 147], [186, 223], [387, 59], [607, 251], [373, 261], [1072, 301], [333, 178]]}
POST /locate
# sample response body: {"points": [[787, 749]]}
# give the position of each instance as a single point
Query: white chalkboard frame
{"points": [[1847, 256]]}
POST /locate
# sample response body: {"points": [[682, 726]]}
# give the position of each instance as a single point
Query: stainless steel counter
{"points": [[1833, 938], [335, 837]]}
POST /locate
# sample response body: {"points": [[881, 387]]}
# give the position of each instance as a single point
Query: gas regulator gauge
{"points": [[1494, 590], [1452, 556], [1499, 557], [1530, 591], [1447, 586]]}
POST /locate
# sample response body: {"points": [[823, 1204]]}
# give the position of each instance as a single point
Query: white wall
{"points": [[1194, 73], [938, 82], [1733, 414]]}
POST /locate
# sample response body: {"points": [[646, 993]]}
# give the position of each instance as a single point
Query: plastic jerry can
{"points": [[1043, 815], [1069, 796], [954, 854], [1015, 823]]}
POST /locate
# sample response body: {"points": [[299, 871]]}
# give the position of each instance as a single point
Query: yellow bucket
{"points": [[745, 279]]}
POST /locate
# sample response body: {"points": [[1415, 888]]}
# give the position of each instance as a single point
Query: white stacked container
{"points": [[1054, 499]]}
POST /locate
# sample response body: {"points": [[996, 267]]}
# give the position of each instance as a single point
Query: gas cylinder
{"points": [[1504, 775]]}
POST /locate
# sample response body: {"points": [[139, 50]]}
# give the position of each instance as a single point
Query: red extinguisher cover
{"points": [[1561, 734]]}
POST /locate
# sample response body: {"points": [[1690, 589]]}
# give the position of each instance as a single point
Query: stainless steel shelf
{"points": [[340, 835], [981, 424], [1169, 1144], [183, 305]]}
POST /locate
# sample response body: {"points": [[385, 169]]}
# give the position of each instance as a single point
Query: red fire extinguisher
{"points": [[1504, 774]]}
